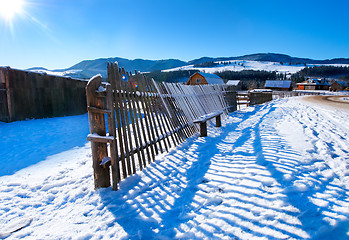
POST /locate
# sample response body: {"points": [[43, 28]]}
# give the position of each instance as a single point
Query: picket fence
{"points": [[133, 118]]}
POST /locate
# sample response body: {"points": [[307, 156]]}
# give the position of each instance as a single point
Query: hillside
{"points": [[260, 61]]}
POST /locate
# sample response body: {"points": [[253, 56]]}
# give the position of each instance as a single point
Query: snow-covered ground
{"points": [[64, 73], [275, 171], [240, 65]]}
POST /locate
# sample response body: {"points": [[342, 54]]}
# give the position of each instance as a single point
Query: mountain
{"points": [[272, 57], [99, 66], [88, 68]]}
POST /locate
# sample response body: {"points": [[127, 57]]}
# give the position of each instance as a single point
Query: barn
{"points": [[278, 85], [200, 78], [236, 83], [338, 86]]}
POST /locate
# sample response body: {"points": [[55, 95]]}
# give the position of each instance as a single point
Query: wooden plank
{"points": [[141, 106], [148, 115], [175, 123], [93, 137], [140, 124], [125, 99], [115, 167], [133, 117], [158, 114], [152, 112], [97, 126], [174, 108], [117, 99], [123, 117], [98, 110], [164, 113], [137, 119], [177, 103], [207, 117]]}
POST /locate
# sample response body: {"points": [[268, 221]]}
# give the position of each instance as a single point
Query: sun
{"points": [[10, 8]]}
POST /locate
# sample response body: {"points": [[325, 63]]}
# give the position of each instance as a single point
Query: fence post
{"points": [[97, 126]]}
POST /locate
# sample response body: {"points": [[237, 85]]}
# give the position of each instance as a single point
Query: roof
{"points": [[233, 82], [277, 84], [318, 82], [321, 82], [211, 78], [343, 84]]}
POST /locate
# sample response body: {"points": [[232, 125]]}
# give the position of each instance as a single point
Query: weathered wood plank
{"points": [[117, 99], [97, 126], [115, 167]]}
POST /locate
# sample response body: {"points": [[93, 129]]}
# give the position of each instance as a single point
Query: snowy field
{"points": [[240, 65], [275, 171]]}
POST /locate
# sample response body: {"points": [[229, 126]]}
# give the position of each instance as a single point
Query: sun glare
{"points": [[10, 8]]}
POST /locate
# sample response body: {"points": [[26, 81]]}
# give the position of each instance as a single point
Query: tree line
{"points": [[324, 71]]}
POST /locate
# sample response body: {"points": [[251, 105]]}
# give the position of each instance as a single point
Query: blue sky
{"points": [[60, 33]]}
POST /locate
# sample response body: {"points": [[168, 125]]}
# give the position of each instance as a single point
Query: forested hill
{"points": [[272, 57], [88, 68]]}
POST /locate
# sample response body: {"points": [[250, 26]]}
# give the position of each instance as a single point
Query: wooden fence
{"points": [[260, 97], [25, 94], [253, 98], [143, 118]]}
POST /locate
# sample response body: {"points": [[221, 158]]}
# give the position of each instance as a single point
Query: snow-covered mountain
{"points": [[261, 61], [240, 65]]}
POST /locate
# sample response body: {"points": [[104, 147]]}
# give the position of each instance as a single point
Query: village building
{"points": [[278, 85], [236, 83], [200, 78], [313, 84], [339, 86]]}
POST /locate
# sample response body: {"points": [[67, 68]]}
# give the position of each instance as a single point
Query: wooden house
{"points": [[236, 83], [313, 84], [200, 78], [339, 86], [278, 85]]}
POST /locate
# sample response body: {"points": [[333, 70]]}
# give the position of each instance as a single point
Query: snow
{"points": [[240, 65], [274, 171], [57, 72]]}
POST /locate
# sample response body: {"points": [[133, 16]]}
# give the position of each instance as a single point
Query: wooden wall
{"points": [[193, 80], [260, 97], [35, 95]]}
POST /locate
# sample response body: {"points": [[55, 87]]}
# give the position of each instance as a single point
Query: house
{"points": [[338, 86], [278, 85], [200, 78], [235, 83], [313, 84]]}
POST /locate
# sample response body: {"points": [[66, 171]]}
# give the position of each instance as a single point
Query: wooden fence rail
{"points": [[132, 119]]}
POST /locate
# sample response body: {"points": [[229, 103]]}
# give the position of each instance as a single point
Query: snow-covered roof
{"points": [[233, 82], [277, 84], [211, 78]]}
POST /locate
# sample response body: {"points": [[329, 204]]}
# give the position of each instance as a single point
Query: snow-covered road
{"points": [[275, 171]]}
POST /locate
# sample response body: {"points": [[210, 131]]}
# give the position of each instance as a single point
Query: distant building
{"points": [[339, 86], [235, 83], [200, 78], [278, 85], [313, 84]]}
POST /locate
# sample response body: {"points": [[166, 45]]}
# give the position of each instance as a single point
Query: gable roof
{"points": [[278, 84], [211, 78], [343, 84]]}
